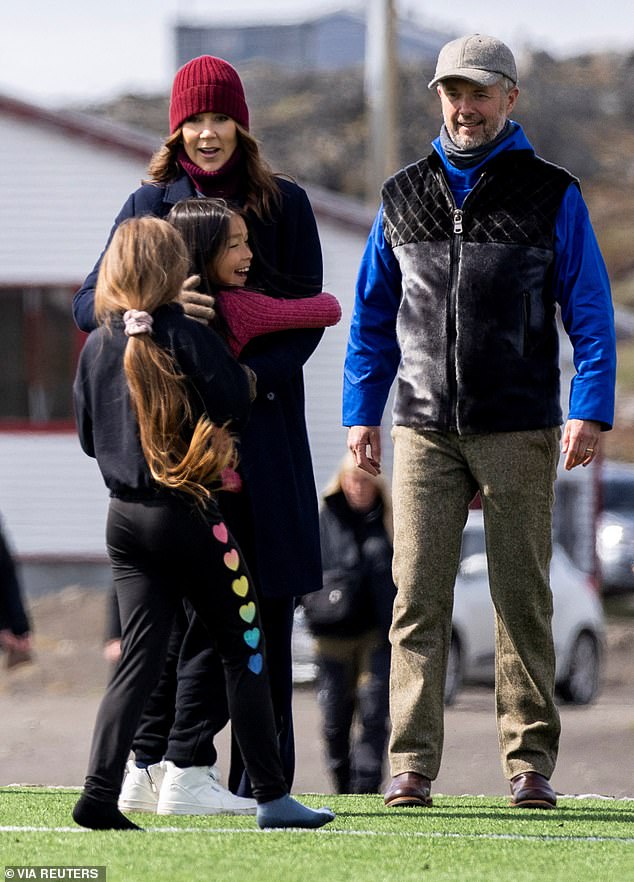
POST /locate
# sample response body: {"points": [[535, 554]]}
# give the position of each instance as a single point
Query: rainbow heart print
{"points": [[247, 610]]}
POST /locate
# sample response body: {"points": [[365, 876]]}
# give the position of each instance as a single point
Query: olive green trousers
{"points": [[435, 477]]}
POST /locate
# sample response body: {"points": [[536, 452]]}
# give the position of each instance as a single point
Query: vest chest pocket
{"points": [[526, 316]]}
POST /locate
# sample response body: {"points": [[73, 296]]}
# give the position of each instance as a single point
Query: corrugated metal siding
{"points": [[59, 198]]}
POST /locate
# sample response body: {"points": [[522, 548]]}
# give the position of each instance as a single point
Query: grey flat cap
{"points": [[477, 58]]}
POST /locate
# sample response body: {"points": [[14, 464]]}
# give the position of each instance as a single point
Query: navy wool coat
{"points": [[274, 453]]}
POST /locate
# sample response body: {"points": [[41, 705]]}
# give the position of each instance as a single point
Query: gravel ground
{"points": [[48, 707]]}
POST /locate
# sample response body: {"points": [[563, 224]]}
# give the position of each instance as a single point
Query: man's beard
{"points": [[483, 135]]}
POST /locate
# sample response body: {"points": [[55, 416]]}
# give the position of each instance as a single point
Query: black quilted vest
{"points": [[476, 325]]}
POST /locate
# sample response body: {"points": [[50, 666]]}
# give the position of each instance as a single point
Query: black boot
{"points": [[97, 815]]}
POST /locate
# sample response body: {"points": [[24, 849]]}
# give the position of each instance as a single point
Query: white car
{"points": [[578, 626], [578, 623], [615, 529]]}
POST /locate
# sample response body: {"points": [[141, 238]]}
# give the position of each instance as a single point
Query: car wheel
{"points": [[453, 681], [581, 683]]}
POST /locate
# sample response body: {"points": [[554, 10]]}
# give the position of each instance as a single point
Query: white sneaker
{"points": [[140, 790], [197, 791]]}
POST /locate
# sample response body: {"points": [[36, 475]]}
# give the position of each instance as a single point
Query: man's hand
{"points": [[112, 650], [580, 442], [364, 442], [196, 305]]}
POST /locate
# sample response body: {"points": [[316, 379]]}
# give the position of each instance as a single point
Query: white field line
{"points": [[415, 834], [78, 787]]}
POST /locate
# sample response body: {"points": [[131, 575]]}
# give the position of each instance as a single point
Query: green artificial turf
{"points": [[460, 839]]}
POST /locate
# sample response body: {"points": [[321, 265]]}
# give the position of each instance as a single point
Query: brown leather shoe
{"points": [[409, 788], [532, 790]]}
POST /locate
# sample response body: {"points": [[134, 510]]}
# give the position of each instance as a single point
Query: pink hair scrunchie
{"points": [[137, 321]]}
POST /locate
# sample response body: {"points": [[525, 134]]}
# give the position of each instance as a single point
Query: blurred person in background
{"points": [[350, 620], [15, 627]]}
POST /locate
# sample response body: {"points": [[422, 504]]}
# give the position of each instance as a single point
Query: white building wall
{"points": [[60, 195], [52, 498]]}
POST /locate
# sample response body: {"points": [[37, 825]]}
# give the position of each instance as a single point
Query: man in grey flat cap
{"points": [[471, 251]]}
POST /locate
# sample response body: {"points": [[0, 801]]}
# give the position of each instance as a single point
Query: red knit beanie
{"points": [[207, 85]]}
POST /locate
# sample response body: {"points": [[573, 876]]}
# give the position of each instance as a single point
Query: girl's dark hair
{"points": [[204, 225], [262, 191]]}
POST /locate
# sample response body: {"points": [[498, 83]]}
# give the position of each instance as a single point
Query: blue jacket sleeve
{"points": [[373, 354], [582, 289], [84, 299]]}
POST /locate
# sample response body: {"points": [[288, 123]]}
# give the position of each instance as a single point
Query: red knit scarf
{"points": [[226, 182]]}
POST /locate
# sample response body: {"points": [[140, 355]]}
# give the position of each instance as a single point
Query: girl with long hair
{"points": [[157, 398], [211, 152], [220, 257]]}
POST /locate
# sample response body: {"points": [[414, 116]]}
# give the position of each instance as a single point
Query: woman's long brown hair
{"points": [[262, 192], [143, 268]]}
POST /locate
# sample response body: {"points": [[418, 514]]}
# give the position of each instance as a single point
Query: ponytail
{"points": [[143, 268]]}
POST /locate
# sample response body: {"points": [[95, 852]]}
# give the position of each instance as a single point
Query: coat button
{"points": [[270, 396]]}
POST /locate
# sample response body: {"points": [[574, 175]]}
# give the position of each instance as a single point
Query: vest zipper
{"points": [[452, 326], [452, 323]]}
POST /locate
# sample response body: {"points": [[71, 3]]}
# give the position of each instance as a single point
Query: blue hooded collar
{"points": [[462, 180]]}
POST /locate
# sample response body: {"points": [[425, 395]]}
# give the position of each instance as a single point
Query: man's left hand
{"points": [[580, 442]]}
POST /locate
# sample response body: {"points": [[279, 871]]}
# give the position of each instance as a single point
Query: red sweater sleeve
{"points": [[250, 314]]}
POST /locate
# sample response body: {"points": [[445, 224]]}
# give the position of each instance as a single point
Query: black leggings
{"points": [[161, 552], [189, 706]]}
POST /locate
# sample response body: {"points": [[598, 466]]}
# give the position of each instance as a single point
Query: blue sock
{"points": [[287, 812]]}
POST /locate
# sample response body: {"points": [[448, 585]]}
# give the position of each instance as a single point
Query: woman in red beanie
{"points": [[210, 152]]}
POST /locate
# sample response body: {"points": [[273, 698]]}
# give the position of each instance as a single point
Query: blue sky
{"points": [[73, 51]]}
